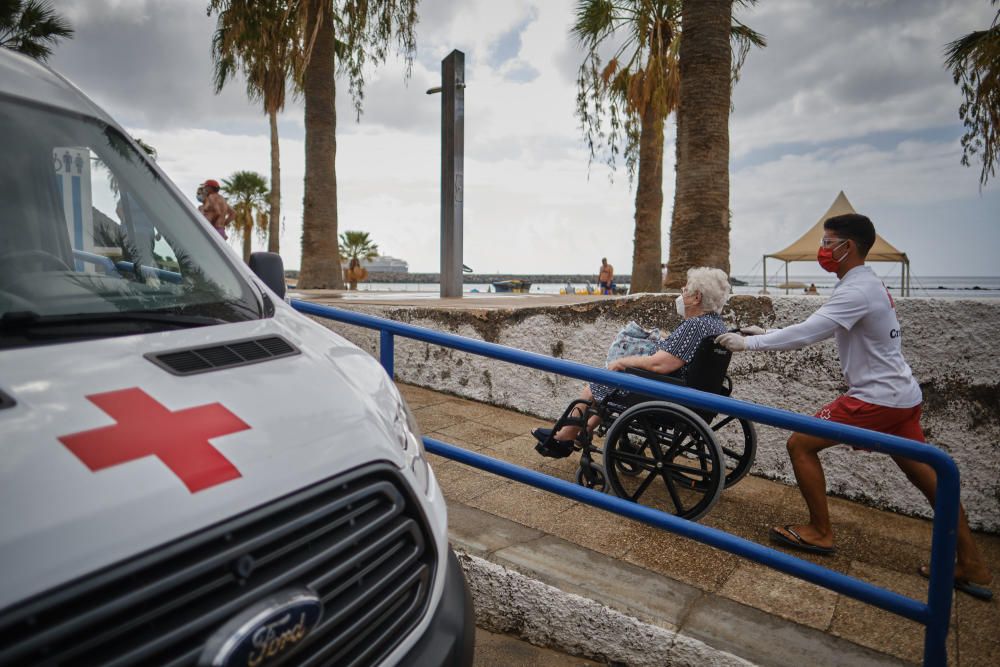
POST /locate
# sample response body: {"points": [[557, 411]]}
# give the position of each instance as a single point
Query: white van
{"points": [[191, 473]]}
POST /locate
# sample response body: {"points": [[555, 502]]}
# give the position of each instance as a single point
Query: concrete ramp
{"points": [[571, 577]]}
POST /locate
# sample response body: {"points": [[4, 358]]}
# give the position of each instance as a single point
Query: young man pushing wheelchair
{"points": [[882, 395]]}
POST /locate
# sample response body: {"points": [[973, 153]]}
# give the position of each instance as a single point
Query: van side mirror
{"points": [[269, 268]]}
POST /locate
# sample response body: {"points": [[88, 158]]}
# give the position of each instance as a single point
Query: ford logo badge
{"points": [[268, 630]]}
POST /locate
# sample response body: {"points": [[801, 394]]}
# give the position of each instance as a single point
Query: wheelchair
{"points": [[660, 454]]}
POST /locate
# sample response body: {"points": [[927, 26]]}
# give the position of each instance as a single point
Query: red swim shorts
{"points": [[904, 422]]}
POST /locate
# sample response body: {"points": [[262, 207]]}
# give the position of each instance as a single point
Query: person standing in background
{"points": [[605, 276], [214, 207]]}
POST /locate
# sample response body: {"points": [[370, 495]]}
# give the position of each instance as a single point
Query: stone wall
{"points": [[947, 343]]}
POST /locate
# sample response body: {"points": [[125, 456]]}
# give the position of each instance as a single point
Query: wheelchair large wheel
{"points": [[738, 440], [674, 463], [630, 443]]}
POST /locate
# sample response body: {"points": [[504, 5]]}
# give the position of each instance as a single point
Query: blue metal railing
{"points": [[934, 615], [113, 268]]}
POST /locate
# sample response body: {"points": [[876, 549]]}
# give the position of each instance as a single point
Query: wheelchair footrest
{"points": [[555, 449]]}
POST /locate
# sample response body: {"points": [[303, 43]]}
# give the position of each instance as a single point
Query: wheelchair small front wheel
{"points": [[593, 477], [680, 466]]}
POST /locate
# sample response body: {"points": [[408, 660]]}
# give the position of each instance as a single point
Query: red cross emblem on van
{"points": [[146, 428]]}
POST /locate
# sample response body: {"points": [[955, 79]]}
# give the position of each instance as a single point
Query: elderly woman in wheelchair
{"points": [[662, 454]]}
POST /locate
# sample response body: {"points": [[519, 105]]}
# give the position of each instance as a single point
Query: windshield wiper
{"points": [[29, 319]]}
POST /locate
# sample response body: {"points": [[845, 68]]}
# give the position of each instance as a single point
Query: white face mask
{"points": [[679, 303]]}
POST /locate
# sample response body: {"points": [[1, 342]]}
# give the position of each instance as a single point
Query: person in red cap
{"points": [[214, 207]]}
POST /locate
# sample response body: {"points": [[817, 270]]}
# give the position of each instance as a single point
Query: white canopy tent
{"points": [[804, 249]]}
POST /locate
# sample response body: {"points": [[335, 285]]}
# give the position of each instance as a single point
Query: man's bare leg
{"points": [[970, 565], [803, 450]]}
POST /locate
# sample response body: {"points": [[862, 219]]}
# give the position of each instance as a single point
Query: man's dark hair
{"points": [[855, 227]]}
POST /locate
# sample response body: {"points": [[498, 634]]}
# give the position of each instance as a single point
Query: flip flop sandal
{"points": [[977, 591], [799, 543]]}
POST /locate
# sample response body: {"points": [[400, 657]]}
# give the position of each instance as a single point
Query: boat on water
{"points": [[385, 264], [590, 290], [514, 286]]}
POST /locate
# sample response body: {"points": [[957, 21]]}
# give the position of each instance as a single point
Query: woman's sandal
{"points": [[555, 449], [549, 446]]}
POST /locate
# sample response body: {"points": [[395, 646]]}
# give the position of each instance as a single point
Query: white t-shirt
{"points": [[863, 317]]}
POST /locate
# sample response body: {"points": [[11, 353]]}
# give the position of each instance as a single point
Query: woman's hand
{"points": [[617, 365]]}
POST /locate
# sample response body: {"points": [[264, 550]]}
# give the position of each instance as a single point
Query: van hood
{"points": [[106, 455]]}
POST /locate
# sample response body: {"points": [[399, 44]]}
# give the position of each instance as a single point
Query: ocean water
{"points": [[952, 287]]}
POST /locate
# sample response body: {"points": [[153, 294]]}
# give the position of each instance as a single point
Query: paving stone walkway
{"points": [[495, 650], [754, 612]]}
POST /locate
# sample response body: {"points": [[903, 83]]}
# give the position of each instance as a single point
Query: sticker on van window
{"points": [[72, 179], [147, 428]]}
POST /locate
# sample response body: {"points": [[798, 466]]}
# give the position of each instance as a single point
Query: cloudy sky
{"points": [[848, 95]]}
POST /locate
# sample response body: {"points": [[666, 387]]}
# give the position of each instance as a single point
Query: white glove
{"points": [[733, 342], [752, 331]]}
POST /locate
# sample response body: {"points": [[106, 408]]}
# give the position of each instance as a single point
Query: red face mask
{"points": [[826, 259]]}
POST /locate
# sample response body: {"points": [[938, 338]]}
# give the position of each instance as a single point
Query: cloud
{"points": [[149, 62], [508, 45], [847, 69], [912, 192]]}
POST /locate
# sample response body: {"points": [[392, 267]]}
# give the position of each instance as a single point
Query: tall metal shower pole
{"points": [[452, 166]]}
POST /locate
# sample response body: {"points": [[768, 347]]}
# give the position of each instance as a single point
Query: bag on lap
{"points": [[633, 340]]}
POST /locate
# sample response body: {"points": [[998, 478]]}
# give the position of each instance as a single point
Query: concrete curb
{"points": [[509, 602]]}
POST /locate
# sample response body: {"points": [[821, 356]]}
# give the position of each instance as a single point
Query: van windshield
{"points": [[90, 233]]}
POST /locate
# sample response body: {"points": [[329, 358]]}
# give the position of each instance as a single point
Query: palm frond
{"points": [[261, 40], [32, 27], [357, 245], [367, 31], [743, 39], [639, 38], [974, 61]]}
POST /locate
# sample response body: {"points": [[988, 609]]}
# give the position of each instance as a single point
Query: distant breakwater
{"points": [[481, 278]]}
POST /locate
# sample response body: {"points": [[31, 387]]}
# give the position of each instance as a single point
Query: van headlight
{"points": [[411, 440]]}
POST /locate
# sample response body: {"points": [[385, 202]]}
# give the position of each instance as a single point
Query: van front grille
{"points": [[360, 542]]}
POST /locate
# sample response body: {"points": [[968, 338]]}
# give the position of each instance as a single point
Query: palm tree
{"points": [[247, 192], [974, 61], [31, 27], [639, 86], [635, 91], [261, 40], [348, 36], [699, 232], [355, 247]]}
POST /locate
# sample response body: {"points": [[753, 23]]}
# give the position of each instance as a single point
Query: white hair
{"points": [[712, 284]]}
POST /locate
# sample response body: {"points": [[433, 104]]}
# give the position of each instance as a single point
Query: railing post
{"points": [[386, 351], [943, 542]]}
